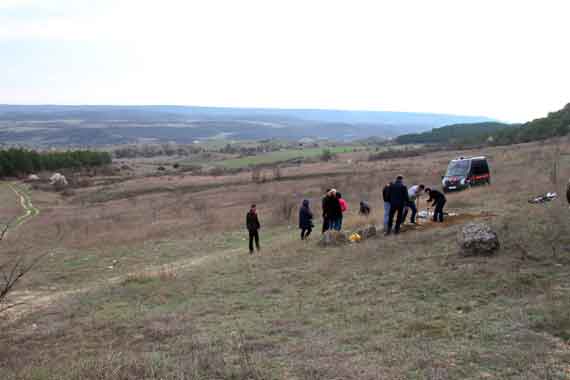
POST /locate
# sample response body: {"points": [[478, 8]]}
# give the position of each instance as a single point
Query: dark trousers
{"points": [[253, 235], [393, 210], [305, 232], [326, 224], [335, 224], [410, 206], [438, 212]]}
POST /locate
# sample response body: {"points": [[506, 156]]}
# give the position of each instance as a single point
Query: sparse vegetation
{"points": [[181, 298]]}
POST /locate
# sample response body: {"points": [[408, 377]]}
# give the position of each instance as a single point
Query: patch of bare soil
{"points": [[448, 221]]}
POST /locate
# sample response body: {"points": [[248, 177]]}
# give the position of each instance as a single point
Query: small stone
{"points": [[367, 232]]}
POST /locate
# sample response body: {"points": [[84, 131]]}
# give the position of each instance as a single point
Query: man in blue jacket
{"points": [[398, 195]]}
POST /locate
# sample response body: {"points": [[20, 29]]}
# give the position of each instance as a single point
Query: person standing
{"points": [[253, 226], [414, 193], [305, 220], [334, 211], [438, 201], [386, 198], [343, 209], [324, 204], [398, 199]]}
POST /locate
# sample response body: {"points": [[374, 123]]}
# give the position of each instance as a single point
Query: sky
{"points": [[503, 59]]}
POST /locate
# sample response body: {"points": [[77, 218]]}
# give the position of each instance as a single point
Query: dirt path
{"points": [[31, 301], [30, 211]]}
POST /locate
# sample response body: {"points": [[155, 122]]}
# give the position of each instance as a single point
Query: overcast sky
{"points": [[505, 59]]}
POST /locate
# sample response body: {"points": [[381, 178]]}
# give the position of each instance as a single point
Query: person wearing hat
{"points": [[253, 226]]}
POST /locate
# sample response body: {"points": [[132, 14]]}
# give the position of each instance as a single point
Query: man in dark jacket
{"points": [[398, 199], [253, 226], [438, 200], [334, 210], [305, 220]]}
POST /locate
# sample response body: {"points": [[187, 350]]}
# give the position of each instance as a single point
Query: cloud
{"points": [[504, 59]]}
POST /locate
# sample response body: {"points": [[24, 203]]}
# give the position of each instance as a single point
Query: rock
{"points": [[58, 180], [333, 238], [477, 239], [367, 232]]}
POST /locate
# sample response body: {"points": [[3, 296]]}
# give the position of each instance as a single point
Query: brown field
{"points": [[149, 278]]}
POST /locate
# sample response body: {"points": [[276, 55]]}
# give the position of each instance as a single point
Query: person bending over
{"points": [[438, 201]]}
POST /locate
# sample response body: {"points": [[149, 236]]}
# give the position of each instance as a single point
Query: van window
{"points": [[458, 168], [479, 167]]}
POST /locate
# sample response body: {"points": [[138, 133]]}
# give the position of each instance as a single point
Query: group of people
{"points": [[398, 202]]}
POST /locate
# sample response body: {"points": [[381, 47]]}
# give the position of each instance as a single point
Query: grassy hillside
{"points": [[160, 286]]}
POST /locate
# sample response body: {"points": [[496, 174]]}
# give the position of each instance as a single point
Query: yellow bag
{"points": [[354, 237]]}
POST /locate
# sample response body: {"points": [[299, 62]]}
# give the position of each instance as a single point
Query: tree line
{"points": [[556, 124], [17, 162], [456, 133]]}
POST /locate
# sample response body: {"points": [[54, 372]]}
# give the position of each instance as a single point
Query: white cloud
{"points": [[504, 59]]}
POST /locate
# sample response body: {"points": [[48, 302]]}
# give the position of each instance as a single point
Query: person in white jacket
{"points": [[414, 192]]}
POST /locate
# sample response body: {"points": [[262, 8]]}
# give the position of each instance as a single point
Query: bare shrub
{"points": [[277, 172], [12, 273], [286, 208], [256, 175]]}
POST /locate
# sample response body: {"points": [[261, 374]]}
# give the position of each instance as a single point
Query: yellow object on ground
{"points": [[354, 237]]}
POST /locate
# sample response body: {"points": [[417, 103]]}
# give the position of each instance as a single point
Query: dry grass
{"points": [[404, 307], [165, 274]]}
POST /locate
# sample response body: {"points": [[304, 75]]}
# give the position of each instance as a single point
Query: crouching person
{"points": [[253, 226], [438, 201]]}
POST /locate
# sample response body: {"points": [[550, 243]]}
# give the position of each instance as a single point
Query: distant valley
{"points": [[112, 125]]}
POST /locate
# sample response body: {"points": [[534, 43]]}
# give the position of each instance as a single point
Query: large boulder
{"points": [[333, 238], [477, 239], [367, 232]]}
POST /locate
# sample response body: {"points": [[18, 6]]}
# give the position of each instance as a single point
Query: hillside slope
{"points": [[457, 133]]}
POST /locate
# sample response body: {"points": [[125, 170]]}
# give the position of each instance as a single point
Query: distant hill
{"points": [[456, 133], [106, 125], [554, 125]]}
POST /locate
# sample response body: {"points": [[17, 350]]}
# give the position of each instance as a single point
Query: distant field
{"points": [[279, 156], [290, 154]]}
